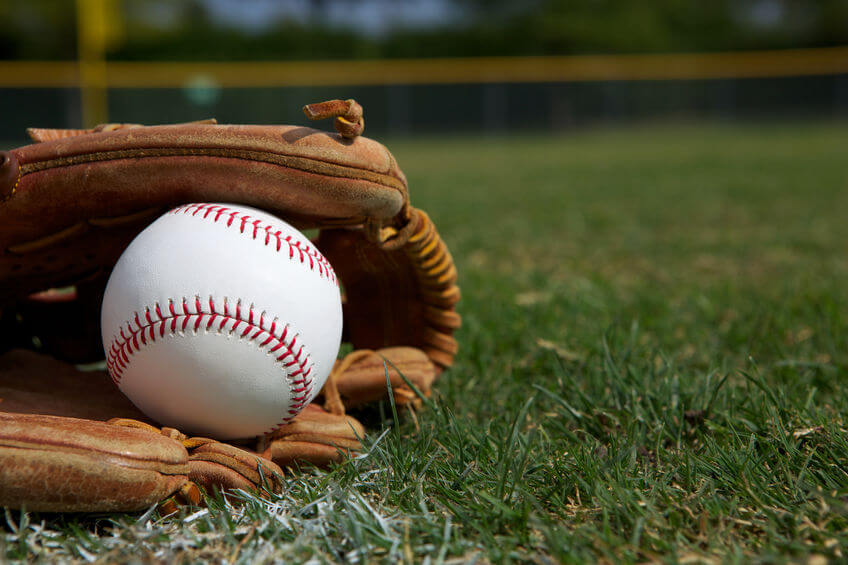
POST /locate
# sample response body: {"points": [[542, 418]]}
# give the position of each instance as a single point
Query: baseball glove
{"points": [[69, 205]]}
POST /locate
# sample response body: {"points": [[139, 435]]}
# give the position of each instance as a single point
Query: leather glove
{"points": [[70, 204]]}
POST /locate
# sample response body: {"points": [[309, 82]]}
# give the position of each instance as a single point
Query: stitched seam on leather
{"points": [[14, 188], [424, 246], [327, 168], [258, 229], [272, 337]]}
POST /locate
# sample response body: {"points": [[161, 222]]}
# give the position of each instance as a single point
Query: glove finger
{"points": [[216, 464], [56, 464], [227, 467], [364, 380], [291, 453], [315, 437]]}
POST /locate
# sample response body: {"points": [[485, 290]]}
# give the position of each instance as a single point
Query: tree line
{"points": [[45, 29]]}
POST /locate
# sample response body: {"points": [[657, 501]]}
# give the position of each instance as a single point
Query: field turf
{"points": [[652, 362]]}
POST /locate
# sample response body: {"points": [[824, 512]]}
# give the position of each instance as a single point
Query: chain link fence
{"points": [[420, 109]]}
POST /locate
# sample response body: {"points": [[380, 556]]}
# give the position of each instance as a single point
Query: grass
{"points": [[654, 345]]}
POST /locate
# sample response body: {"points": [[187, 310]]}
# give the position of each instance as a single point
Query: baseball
{"points": [[221, 320]]}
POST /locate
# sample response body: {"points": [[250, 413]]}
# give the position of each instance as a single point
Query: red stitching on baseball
{"points": [[305, 251], [126, 343]]}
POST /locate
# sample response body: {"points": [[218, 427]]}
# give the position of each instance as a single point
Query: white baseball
{"points": [[221, 320]]}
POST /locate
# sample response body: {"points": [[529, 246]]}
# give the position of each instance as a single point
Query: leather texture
{"points": [[362, 376], [403, 296], [65, 464], [315, 437], [69, 206]]}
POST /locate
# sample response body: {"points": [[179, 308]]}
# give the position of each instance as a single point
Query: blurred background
{"points": [[421, 66]]}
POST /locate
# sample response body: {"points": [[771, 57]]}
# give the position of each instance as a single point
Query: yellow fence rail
{"points": [[752, 64]]}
